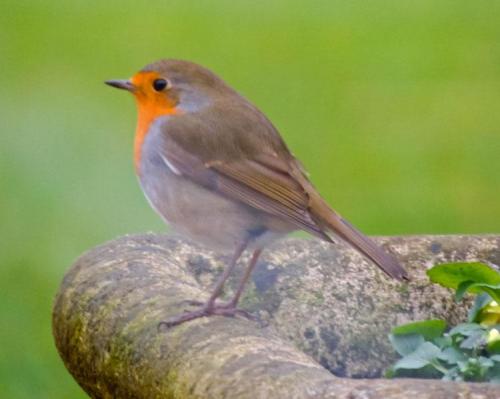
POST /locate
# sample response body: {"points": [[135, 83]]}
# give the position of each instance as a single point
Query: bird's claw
{"points": [[223, 309]]}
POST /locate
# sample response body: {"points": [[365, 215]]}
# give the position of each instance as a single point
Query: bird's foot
{"points": [[223, 309], [222, 305]]}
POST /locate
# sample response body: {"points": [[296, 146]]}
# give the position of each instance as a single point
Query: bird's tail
{"points": [[341, 227]]}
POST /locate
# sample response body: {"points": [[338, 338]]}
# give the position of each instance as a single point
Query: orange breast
{"points": [[150, 106]]}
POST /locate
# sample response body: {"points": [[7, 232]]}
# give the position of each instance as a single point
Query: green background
{"points": [[392, 106]]}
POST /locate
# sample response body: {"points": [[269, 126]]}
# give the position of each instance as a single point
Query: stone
{"points": [[324, 314]]}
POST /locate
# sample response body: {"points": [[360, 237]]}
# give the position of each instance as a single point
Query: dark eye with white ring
{"points": [[160, 84]]}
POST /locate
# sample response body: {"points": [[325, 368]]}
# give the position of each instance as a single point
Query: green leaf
{"points": [[390, 373], [451, 374], [466, 329], [424, 355], [485, 362], [494, 374], [494, 348], [491, 289], [463, 365], [444, 341], [479, 303], [452, 355], [474, 340], [406, 343], [462, 289], [425, 372], [451, 275], [428, 329]]}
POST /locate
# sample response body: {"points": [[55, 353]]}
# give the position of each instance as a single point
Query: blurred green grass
{"points": [[392, 106]]}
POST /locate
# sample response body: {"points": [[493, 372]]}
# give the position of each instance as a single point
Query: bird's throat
{"points": [[148, 112]]}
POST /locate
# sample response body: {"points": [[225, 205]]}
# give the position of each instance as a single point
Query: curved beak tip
{"points": [[120, 84]]}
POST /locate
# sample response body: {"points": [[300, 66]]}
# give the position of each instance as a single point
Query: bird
{"points": [[216, 169]]}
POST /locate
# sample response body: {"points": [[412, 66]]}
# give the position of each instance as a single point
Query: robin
{"points": [[216, 169]]}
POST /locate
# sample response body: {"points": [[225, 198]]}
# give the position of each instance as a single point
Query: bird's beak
{"points": [[121, 84]]}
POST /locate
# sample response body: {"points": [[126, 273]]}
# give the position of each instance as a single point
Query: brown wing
{"points": [[263, 183], [256, 168]]}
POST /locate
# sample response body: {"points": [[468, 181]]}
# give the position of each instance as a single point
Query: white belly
{"points": [[197, 212]]}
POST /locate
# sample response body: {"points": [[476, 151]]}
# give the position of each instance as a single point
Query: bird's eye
{"points": [[160, 84]]}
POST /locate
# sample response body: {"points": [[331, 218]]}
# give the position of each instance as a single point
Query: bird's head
{"points": [[172, 87]]}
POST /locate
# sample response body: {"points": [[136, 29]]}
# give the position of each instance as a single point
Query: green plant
{"points": [[467, 352]]}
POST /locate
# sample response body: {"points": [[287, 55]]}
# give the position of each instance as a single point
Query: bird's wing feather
{"points": [[263, 183], [265, 176]]}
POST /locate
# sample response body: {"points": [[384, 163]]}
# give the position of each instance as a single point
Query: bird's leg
{"points": [[222, 279], [210, 308], [248, 272]]}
